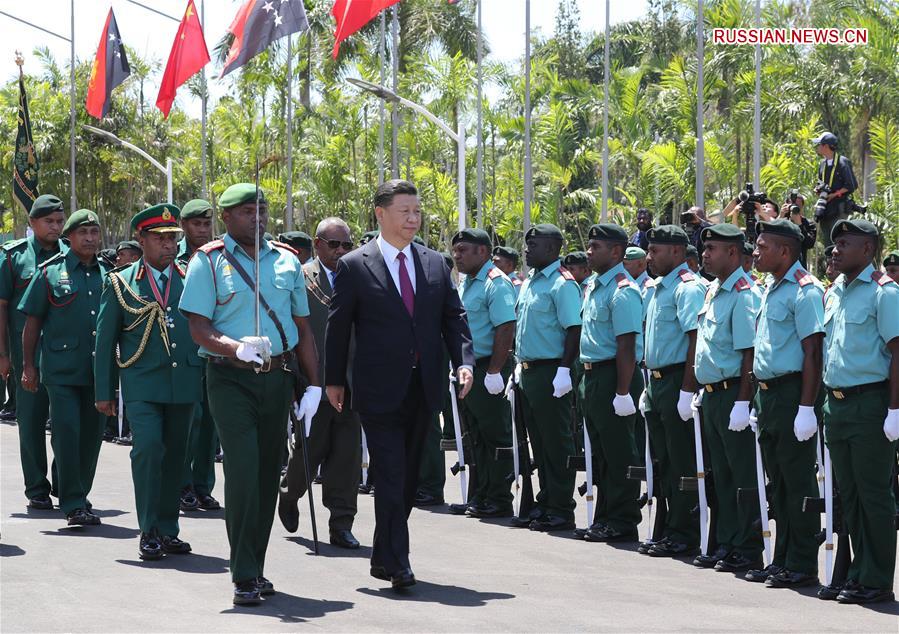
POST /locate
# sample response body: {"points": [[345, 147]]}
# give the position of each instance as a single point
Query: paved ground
{"points": [[473, 575]]}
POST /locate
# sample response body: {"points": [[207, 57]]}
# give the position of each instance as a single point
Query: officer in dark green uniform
{"points": [[62, 300], [671, 323], [489, 302], [199, 468], [547, 334], [19, 260], [787, 367], [126, 252], [861, 410], [248, 377], [299, 241], [160, 374]]}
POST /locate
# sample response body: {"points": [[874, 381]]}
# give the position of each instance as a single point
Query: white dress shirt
{"points": [[389, 252]]}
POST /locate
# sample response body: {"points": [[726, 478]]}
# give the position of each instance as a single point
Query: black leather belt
{"points": [[664, 371], [536, 363], [721, 385], [275, 362], [595, 365], [840, 393], [767, 384]]}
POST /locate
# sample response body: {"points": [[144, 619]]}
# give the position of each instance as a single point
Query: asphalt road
{"points": [[473, 575]]}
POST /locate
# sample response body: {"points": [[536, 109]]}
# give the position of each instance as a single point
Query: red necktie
{"points": [[406, 290]]}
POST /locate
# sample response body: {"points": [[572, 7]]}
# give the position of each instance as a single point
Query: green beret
{"points": [[129, 244], [544, 231], [81, 218], [474, 236], [157, 219], [196, 208], [856, 227], [368, 236], [748, 248], [667, 234], [782, 227], [607, 231], [575, 257], [240, 193], [296, 239], [724, 232], [828, 251], [506, 252], [44, 205], [418, 240], [634, 253], [692, 252], [892, 259]]}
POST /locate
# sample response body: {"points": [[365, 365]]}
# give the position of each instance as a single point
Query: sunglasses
{"points": [[333, 244]]}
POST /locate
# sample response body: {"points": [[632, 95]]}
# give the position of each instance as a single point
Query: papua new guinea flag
{"points": [[109, 70], [257, 24]]}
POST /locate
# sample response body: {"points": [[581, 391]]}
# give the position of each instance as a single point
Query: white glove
{"points": [[494, 383], [891, 425], [562, 382], [685, 405], [623, 404], [516, 374], [254, 349], [644, 403], [805, 424], [307, 406], [739, 416], [753, 421]]}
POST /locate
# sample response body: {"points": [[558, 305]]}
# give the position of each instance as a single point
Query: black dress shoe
{"points": [[671, 548], [709, 561], [8, 414], [124, 440], [219, 457], [609, 534], [189, 500], [208, 503], [644, 546], [289, 513], [365, 489], [344, 539], [81, 517], [171, 545], [150, 549], [831, 592], [379, 572], [789, 579], [760, 575], [458, 509], [402, 579], [264, 586], [246, 593], [41, 503], [864, 594], [551, 523], [490, 510], [735, 562], [426, 499]]}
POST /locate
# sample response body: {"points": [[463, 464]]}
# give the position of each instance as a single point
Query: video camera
{"points": [[749, 195]]}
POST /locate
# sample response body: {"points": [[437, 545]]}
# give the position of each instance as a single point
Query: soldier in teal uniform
{"points": [[611, 346], [577, 264], [670, 343], [891, 265], [61, 303], [506, 260], [251, 379], [489, 301], [19, 260], [199, 467], [861, 410], [787, 368], [635, 265], [547, 335], [142, 337], [723, 366]]}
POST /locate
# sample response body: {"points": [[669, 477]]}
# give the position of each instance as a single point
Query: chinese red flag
{"points": [[352, 15], [189, 54]]}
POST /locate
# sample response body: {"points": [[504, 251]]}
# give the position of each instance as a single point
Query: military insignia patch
{"points": [[166, 215]]}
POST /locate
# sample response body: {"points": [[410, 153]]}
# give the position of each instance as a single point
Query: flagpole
{"points": [[479, 222], [72, 199], [288, 220], [757, 107], [395, 113], [527, 115], [203, 104], [700, 103], [382, 51], [604, 214]]}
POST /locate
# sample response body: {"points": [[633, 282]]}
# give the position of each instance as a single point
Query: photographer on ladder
{"points": [[836, 182]]}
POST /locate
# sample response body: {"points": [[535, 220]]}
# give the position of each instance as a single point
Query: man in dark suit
{"points": [[334, 436], [404, 306]]}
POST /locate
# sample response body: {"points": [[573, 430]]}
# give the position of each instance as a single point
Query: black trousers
{"points": [[395, 442]]}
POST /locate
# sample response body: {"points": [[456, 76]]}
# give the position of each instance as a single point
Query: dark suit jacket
{"points": [[387, 338]]}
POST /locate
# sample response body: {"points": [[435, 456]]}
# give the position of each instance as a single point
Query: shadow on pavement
{"points": [[217, 514], [193, 562], [327, 550], [425, 591], [109, 512], [108, 531], [10, 550], [289, 608]]}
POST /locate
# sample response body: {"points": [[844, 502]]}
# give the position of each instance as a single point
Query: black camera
{"points": [[793, 196], [750, 195], [823, 191]]}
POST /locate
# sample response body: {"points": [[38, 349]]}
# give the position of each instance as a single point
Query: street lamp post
{"points": [[165, 169], [457, 136]]}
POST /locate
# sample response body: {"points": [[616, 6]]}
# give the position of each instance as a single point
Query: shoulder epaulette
{"points": [[494, 273], [686, 276], [742, 285], [181, 272], [517, 282], [307, 268], [803, 277], [209, 247], [12, 244], [566, 274], [52, 259], [622, 280], [140, 272], [284, 246], [882, 278]]}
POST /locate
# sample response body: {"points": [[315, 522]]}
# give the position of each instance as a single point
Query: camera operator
{"points": [[836, 182], [792, 211], [693, 222], [745, 211]]}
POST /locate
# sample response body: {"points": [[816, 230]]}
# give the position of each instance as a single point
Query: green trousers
{"points": [[32, 412], [674, 446], [732, 457], [548, 421], [159, 441], [250, 412], [613, 447], [489, 420], [76, 438], [791, 469], [432, 471], [862, 459], [199, 466]]}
